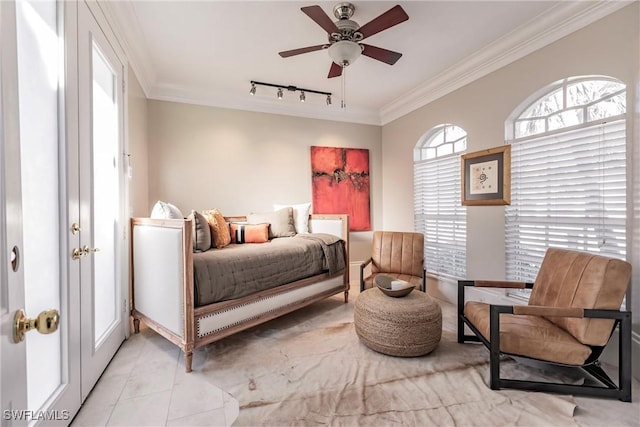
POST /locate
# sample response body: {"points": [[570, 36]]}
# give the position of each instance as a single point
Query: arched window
{"points": [[438, 213], [568, 173]]}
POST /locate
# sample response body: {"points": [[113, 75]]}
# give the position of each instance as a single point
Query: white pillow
{"points": [[163, 210], [300, 216]]}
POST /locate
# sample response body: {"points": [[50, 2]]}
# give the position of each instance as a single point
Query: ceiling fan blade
{"points": [[387, 56], [321, 18], [334, 71], [288, 53], [391, 17]]}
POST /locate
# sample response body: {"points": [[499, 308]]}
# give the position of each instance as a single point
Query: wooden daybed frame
{"points": [[163, 292]]}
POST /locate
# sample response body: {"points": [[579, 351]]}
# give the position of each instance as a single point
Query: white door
{"points": [[103, 222], [43, 375], [36, 273], [13, 393], [53, 388]]}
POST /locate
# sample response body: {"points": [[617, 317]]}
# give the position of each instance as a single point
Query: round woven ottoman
{"points": [[408, 326]]}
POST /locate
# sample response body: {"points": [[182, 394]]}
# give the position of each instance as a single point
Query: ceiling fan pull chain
{"points": [[343, 102]]}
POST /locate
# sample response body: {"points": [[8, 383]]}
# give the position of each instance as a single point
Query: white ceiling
{"points": [[207, 52]]}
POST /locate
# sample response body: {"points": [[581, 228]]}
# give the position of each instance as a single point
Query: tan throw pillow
{"points": [[220, 235], [201, 232], [300, 216], [249, 233], [281, 222]]}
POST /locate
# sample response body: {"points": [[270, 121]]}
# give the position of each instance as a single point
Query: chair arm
{"points": [[362, 267], [496, 284], [538, 310]]}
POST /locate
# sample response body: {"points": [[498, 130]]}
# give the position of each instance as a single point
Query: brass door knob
{"points": [[46, 323], [77, 253]]}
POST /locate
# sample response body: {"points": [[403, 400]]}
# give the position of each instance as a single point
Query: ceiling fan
{"points": [[345, 36]]}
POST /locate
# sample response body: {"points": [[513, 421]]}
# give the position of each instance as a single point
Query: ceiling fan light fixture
{"points": [[344, 52]]}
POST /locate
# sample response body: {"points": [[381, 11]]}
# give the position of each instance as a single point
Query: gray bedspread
{"points": [[240, 270]]}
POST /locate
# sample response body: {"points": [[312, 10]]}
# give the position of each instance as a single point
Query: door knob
{"points": [[77, 253], [46, 323]]}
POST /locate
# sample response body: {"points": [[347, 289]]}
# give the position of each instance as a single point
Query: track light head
{"points": [[302, 96], [279, 93], [328, 99], [252, 91]]}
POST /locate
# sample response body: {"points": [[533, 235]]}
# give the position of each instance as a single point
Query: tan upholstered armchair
{"points": [[396, 254], [573, 310]]}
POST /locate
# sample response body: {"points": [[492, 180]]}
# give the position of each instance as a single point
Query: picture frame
{"points": [[486, 177]]}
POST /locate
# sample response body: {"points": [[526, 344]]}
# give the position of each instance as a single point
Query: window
{"points": [[438, 213], [568, 174]]}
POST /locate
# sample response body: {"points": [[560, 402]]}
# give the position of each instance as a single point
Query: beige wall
{"points": [[607, 47], [137, 140], [241, 162]]}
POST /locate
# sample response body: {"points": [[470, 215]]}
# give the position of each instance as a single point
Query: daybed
{"points": [[166, 298]]}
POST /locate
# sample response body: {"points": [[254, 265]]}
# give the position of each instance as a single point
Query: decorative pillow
{"points": [[201, 232], [163, 210], [281, 222], [249, 233], [300, 216], [220, 235]]}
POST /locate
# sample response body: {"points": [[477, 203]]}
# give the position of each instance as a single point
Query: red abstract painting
{"points": [[340, 184]]}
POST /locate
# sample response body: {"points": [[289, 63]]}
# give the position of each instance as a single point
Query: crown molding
{"points": [[192, 95], [546, 28], [124, 22]]}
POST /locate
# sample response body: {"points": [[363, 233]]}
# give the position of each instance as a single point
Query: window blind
{"points": [[568, 190], [439, 215]]}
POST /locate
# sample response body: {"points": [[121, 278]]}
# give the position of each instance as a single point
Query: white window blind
{"points": [[439, 215], [568, 190]]}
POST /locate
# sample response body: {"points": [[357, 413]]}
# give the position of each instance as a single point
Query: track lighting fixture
{"points": [[280, 91]]}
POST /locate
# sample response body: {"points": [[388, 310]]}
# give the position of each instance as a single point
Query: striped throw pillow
{"points": [[249, 233]]}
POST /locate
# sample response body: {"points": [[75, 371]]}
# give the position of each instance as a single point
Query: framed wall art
{"points": [[486, 177]]}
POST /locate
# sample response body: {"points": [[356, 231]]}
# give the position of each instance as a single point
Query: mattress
{"points": [[239, 270]]}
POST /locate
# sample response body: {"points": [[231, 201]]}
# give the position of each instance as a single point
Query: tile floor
{"points": [[145, 385]]}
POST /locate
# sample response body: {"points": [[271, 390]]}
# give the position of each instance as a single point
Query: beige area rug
{"points": [[310, 368]]}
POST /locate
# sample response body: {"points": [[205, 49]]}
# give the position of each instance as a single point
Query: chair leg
{"points": [[460, 312], [494, 357], [624, 358]]}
